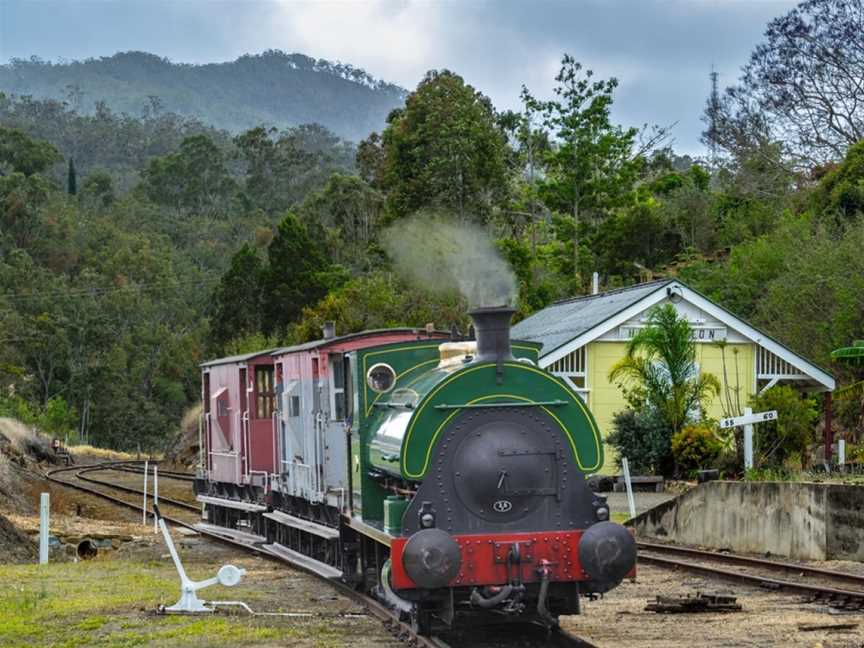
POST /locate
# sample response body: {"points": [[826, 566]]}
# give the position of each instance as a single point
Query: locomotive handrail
{"points": [[405, 406], [553, 403], [246, 444], [277, 437], [199, 464]]}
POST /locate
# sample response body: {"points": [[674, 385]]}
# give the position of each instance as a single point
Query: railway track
{"points": [[163, 474], [82, 481], [839, 589]]}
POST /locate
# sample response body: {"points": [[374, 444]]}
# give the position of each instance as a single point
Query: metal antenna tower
{"points": [[713, 110]]}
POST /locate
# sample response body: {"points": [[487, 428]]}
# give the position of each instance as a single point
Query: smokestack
{"points": [[329, 330], [493, 334], [595, 283]]}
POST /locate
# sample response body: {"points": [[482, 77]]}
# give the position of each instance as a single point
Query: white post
{"points": [[44, 509], [155, 496], [625, 466], [595, 283], [841, 451], [144, 507], [748, 441]]}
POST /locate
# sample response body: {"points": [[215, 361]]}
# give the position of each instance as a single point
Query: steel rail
{"points": [[134, 491], [747, 561], [168, 474], [755, 579], [517, 633], [401, 630]]}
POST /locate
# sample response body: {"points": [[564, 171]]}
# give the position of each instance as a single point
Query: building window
{"points": [[264, 395]]}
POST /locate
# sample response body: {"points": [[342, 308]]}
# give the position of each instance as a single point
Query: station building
{"points": [[585, 336]]}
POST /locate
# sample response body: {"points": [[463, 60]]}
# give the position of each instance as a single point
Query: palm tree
{"points": [[661, 362]]}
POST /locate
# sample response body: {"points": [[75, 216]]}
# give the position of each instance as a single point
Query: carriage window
{"points": [[221, 407], [294, 406], [264, 394], [340, 366]]}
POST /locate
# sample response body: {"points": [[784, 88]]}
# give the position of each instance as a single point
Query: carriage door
{"points": [[335, 439], [244, 420], [294, 452]]}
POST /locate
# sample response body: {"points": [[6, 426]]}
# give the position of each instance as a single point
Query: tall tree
{"points": [[272, 164], [444, 150], [802, 85], [348, 212], [194, 179], [71, 179], [593, 165], [297, 274], [23, 154], [238, 299]]}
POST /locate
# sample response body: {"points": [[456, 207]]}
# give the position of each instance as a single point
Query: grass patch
{"points": [[620, 517], [111, 603], [101, 453]]}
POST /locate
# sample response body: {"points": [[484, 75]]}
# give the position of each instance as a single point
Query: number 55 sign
{"points": [[749, 419]]}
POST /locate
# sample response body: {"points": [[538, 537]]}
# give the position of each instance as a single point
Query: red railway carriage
{"points": [[275, 420], [239, 404]]}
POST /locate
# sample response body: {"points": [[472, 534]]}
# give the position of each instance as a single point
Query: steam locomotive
{"points": [[445, 476]]}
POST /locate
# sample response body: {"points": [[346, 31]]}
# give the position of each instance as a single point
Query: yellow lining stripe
{"points": [[573, 397], [366, 404]]}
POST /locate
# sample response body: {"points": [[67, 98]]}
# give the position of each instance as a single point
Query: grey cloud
{"points": [[661, 50]]}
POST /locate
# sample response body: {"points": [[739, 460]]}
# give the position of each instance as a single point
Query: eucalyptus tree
{"points": [[444, 150], [802, 86], [593, 164]]}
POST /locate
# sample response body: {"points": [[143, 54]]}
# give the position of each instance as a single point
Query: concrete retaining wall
{"points": [[796, 520]]}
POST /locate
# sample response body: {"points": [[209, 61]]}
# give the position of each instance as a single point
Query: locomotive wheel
{"points": [[421, 621]]}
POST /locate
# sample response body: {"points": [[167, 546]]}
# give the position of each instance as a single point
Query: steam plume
{"points": [[441, 255]]}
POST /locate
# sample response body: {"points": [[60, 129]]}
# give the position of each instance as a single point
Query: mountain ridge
{"points": [[274, 88]]}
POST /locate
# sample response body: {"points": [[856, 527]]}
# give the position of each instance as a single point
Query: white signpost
{"points": [[44, 512], [747, 422]]}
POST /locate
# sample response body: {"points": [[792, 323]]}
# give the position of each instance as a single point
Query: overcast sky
{"points": [[660, 50]]}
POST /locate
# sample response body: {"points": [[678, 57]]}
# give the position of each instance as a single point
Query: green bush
{"points": [[854, 453], [784, 441], [58, 417], [643, 438], [772, 474], [13, 406], [696, 446]]}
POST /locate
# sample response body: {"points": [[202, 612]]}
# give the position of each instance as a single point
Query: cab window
{"points": [[343, 399]]}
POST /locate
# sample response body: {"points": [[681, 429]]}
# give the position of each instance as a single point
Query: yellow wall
{"points": [[710, 361], [605, 398]]}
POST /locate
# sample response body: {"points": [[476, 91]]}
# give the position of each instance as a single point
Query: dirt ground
{"points": [[768, 619], [110, 601]]}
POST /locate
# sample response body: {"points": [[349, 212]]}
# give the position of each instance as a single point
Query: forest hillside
{"points": [[272, 88], [135, 245]]}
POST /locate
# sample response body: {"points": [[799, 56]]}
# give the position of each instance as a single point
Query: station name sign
{"points": [[697, 333]]}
